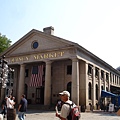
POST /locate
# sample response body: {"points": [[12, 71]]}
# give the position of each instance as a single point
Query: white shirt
{"points": [[9, 103], [65, 110]]}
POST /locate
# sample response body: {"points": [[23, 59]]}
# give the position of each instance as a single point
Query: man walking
{"points": [[65, 110], [22, 108]]}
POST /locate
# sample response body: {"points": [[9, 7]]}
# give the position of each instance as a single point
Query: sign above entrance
{"points": [[35, 57]]}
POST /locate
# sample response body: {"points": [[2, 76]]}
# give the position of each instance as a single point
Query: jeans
{"points": [[21, 115]]}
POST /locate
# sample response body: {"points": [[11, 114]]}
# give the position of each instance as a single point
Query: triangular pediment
{"points": [[36, 38]]}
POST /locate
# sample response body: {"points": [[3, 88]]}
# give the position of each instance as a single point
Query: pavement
{"points": [[50, 115]]}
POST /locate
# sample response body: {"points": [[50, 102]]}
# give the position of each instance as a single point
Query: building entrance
{"points": [[40, 95]]}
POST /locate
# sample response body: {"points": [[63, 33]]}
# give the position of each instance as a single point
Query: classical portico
{"points": [[65, 66], [48, 59]]}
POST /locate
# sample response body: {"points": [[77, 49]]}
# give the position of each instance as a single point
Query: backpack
{"points": [[74, 112]]}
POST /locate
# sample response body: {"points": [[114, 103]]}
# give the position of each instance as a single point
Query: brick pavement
{"points": [[50, 115]]}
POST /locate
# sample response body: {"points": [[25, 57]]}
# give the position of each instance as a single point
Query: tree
{"points": [[4, 43]]}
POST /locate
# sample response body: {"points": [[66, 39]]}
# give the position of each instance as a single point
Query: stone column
{"points": [[111, 78], [115, 80], [86, 83], [21, 82], [99, 84], [15, 81], [47, 92], [105, 81], [118, 81], [93, 86], [75, 80], [109, 82]]}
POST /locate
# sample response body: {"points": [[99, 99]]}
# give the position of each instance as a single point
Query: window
{"points": [[107, 76], [96, 92], [69, 69], [89, 90], [26, 72], [89, 70], [113, 78], [35, 45], [110, 77], [101, 87], [102, 75], [106, 88], [117, 79], [96, 72]]}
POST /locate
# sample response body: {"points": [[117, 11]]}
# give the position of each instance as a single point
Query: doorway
{"points": [[40, 95]]}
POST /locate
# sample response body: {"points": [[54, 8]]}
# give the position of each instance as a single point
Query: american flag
{"points": [[36, 76]]}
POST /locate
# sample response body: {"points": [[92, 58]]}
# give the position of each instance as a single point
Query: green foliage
{"points": [[4, 43]]}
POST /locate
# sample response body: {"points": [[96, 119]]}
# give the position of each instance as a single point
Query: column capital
{"points": [[99, 70], [104, 72], [86, 62], [48, 61], [93, 67], [22, 64], [74, 59]]}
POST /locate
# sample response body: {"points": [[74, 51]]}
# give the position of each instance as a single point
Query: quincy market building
{"points": [[45, 65]]}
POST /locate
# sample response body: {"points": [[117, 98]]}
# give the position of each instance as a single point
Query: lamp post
{"points": [[9, 87], [3, 72]]}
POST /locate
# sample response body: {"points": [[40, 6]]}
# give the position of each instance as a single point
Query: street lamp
{"points": [[9, 87]]}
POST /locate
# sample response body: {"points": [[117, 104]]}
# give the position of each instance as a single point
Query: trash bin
{"points": [[11, 114], [83, 108]]}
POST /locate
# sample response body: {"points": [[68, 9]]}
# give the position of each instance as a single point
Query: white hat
{"points": [[65, 93]]}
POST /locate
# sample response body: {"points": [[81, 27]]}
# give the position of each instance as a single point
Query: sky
{"points": [[93, 24]]}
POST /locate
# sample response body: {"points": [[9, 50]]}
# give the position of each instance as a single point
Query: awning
{"points": [[107, 94]]}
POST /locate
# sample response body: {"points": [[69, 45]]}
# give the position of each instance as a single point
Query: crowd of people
{"points": [[8, 104]]}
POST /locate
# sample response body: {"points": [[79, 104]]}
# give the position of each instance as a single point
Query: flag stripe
{"points": [[36, 76]]}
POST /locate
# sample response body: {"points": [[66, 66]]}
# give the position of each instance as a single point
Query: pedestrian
{"points": [[13, 102], [4, 107], [11, 112], [65, 110], [22, 108], [9, 102]]}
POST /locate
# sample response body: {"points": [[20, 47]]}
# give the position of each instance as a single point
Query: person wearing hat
{"points": [[65, 110]]}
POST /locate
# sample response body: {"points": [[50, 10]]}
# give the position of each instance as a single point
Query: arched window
{"points": [[89, 90], [69, 88], [101, 87], [106, 88], [96, 92]]}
